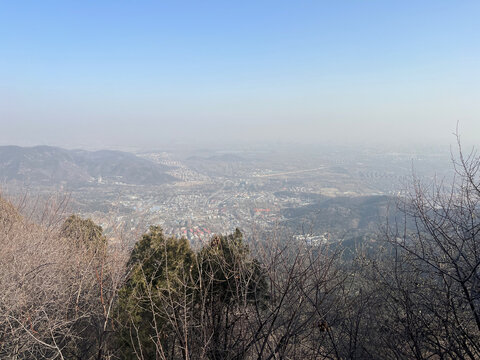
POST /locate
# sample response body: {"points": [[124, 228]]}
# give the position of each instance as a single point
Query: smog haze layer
{"points": [[144, 74]]}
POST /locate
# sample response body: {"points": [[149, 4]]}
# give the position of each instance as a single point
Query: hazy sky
{"points": [[143, 73]]}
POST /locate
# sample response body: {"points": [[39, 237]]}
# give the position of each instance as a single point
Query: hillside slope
{"points": [[46, 165]]}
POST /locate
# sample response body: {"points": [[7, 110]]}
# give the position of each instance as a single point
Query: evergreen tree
{"points": [[84, 232], [161, 274], [178, 304], [233, 282]]}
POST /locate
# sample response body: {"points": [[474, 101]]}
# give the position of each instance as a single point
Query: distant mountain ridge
{"points": [[47, 165]]}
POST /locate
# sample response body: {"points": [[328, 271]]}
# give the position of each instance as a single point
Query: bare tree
{"points": [[56, 294], [432, 286]]}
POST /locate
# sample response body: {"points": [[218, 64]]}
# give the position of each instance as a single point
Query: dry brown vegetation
{"points": [[56, 294]]}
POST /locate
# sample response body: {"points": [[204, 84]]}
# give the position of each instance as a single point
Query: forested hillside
{"points": [[47, 165]]}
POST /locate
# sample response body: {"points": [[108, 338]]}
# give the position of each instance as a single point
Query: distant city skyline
{"points": [[142, 74]]}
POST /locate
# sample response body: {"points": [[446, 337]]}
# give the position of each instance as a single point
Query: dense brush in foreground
{"points": [[57, 286], [66, 293]]}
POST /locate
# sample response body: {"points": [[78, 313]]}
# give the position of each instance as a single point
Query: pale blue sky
{"points": [[142, 73]]}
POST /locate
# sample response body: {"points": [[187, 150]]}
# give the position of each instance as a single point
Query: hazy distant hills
{"points": [[46, 165]]}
